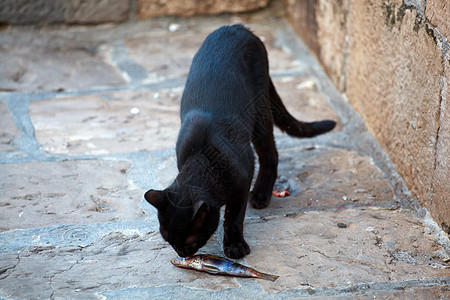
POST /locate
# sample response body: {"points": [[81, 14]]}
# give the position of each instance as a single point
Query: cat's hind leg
{"points": [[264, 144]]}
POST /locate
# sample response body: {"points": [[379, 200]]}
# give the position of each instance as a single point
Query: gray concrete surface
{"points": [[89, 118]]}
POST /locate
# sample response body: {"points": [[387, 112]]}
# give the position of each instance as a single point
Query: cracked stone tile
{"points": [[8, 262], [16, 240], [118, 122], [8, 130], [37, 194], [42, 62], [114, 262], [311, 250]]}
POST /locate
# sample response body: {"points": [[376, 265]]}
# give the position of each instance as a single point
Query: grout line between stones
{"points": [[19, 112], [170, 83]]}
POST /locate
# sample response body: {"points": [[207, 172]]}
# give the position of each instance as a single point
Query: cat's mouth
{"points": [[186, 251]]}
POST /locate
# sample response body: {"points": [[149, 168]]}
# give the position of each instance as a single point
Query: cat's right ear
{"points": [[155, 198]]}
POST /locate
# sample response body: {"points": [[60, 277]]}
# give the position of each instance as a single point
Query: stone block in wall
{"points": [[394, 71], [97, 11], [154, 8], [331, 34], [438, 13], [322, 26], [302, 15], [30, 12], [64, 11], [441, 180]]}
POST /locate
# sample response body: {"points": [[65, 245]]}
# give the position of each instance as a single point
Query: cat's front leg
{"points": [[234, 245]]}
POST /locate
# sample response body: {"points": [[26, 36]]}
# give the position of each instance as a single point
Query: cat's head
{"points": [[185, 223]]}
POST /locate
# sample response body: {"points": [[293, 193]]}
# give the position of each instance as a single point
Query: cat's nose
{"points": [[184, 252]]}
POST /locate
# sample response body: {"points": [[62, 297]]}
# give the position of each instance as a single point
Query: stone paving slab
{"points": [[113, 261], [332, 177], [38, 64], [38, 194], [16, 240], [109, 123], [79, 151], [375, 245]]}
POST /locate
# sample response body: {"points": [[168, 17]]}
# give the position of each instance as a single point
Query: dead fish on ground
{"points": [[219, 266]]}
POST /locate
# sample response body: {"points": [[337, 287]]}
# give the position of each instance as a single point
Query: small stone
{"points": [[390, 244], [174, 27], [134, 110], [370, 229], [309, 84], [342, 225]]}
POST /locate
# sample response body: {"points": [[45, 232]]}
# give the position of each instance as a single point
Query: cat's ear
{"points": [[201, 210], [155, 198]]}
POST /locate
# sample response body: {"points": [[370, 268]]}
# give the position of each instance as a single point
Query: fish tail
{"points": [[268, 277]]}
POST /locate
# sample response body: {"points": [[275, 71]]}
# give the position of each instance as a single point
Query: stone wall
{"points": [[391, 60], [100, 11]]}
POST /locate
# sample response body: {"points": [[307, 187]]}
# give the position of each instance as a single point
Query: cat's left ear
{"points": [[155, 198], [201, 210]]}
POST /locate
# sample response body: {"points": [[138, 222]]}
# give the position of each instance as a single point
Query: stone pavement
{"points": [[88, 123]]}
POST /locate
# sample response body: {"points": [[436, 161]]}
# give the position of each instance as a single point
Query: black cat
{"points": [[229, 102]]}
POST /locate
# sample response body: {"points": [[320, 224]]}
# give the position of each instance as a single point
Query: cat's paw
{"points": [[260, 200], [236, 250]]}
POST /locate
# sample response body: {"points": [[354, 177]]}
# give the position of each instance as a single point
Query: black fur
{"points": [[228, 103]]}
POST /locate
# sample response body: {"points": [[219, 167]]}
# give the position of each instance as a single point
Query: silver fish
{"points": [[219, 266]]}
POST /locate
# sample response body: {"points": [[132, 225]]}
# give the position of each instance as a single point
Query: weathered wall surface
{"points": [[391, 59], [67, 11], [101, 11], [154, 8]]}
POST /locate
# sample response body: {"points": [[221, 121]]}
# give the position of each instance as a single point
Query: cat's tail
{"points": [[287, 123]]}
